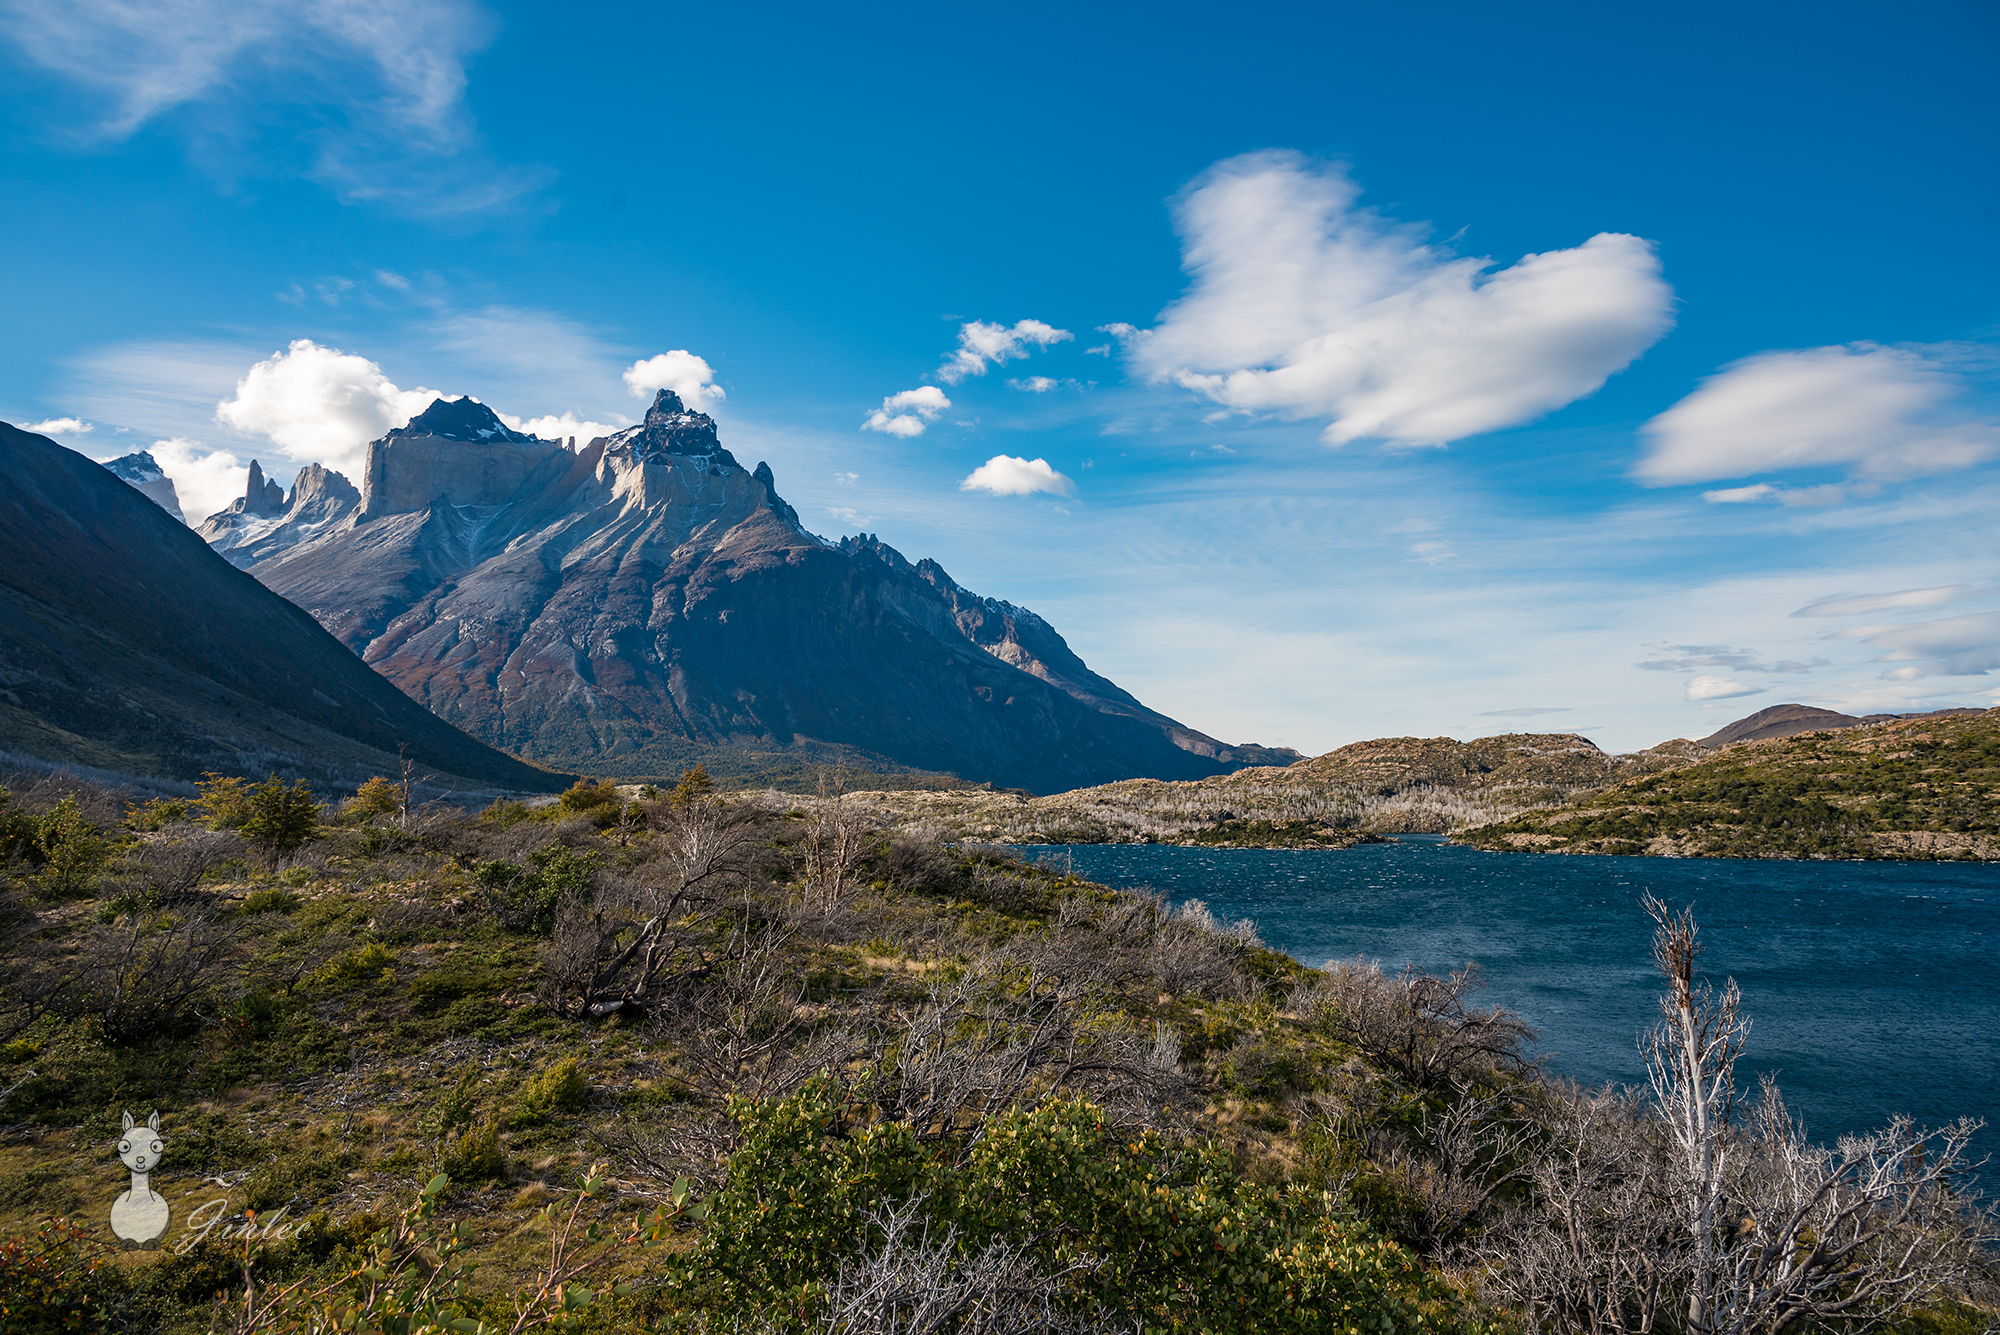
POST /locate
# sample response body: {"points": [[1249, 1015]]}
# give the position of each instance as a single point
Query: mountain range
{"points": [[126, 644], [644, 602]]}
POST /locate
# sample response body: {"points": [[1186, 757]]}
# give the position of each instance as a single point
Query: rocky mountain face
{"points": [[646, 602], [128, 645], [264, 521], [142, 471]]}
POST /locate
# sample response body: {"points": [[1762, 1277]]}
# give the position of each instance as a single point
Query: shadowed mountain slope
{"points": [[647, 602], [128, 645]]}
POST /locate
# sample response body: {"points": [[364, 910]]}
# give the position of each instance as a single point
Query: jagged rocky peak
{"points": [[670, 429], [262, 496], [460, 419], [143, 472], [136, 468]]}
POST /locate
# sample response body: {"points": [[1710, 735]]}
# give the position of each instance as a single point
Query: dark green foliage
{"points": [[1170, 1238], [281, 818], [531, 896], [557, 1089]]}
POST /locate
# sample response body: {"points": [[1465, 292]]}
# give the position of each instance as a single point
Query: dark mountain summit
{"points": [[1791, 720], [125, 643], [646, 602]]}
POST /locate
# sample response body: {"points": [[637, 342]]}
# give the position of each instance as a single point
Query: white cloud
{"points": [[1688, 657], [1034, 384], [1880, 412], [1719, 688], [59, 426], [568, 425], [981, 344], [907, 413], [320, 403], [383, 81], [1433, 551], [205, 480], [846, 479], [1953, 647], [1762, 491], [680, 371], [1101, 350], [1007, 475], [1524, 713], [1305, 305], [1859, 604]]}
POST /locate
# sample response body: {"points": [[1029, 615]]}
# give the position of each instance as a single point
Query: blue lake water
{"points": [[1872, 986]]}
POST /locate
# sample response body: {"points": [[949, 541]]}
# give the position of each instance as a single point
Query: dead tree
{"points": [[1416, 1026]]}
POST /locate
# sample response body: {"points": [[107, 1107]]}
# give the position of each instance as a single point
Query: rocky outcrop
{"points": [[143, 472], [128, 645], [255, 527], [1390, 785], [646, 602]]}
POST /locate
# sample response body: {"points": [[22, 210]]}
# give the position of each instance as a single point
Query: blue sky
{"points": [[1210, 335]]}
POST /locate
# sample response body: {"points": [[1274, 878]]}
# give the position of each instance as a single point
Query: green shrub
{"points": [[281, 819], [377, 797], [474, 1154], [159, 813], [269, 900], [362, 964], [71, 851], [1181, 1243], [559, 1088]]}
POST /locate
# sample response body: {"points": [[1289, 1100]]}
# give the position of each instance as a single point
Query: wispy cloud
{"points": [[1879, 412], [1689, 657], [1953, 647], [383, 80], [1528, 712], [1306, 305], [1719, 688], [1860, 604], [981, 345], [60, 426]]}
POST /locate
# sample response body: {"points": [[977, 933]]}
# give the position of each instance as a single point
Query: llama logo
{"points": [[141, 1215]]}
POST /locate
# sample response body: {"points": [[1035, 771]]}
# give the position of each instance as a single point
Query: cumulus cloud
{"points": [[59, 426], [907, 413], [1305, 305], [1880, 412], [563, 428], [320, 403], [1034, 384], [1719, 688], [680, 371], [981, 344], [383, 81], [1007, 475], [205, 480], [1860, 604]]}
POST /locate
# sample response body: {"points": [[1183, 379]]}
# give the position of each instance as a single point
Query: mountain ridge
{"points": [[646, 602], [127, 644]]}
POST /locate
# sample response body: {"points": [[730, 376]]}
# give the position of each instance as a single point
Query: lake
{"points": [[1872, 986]]}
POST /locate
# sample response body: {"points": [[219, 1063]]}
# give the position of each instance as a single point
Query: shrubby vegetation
{"points": [[681, 1061], [1923, 788]]}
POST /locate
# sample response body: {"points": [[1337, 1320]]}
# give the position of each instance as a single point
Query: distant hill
{"points": [[646, 602], [127, 645], [1923, 787], [1389, 785], [1791, 720]]}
